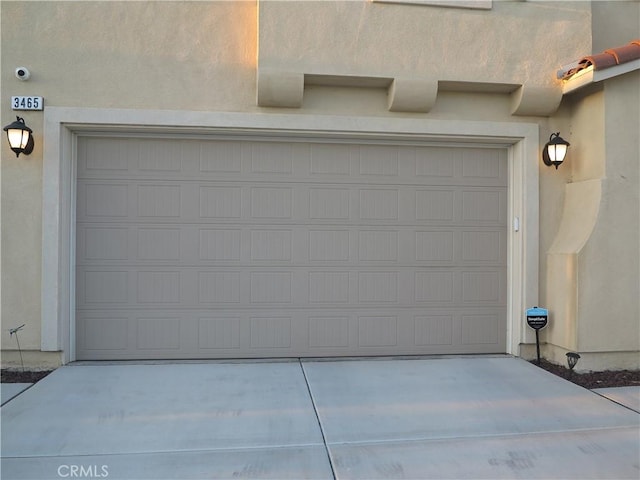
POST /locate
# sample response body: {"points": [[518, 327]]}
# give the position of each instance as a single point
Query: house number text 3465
{"points": [[27, 103]]}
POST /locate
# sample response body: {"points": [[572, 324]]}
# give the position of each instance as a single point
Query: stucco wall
{"points": [[593, 265], [203, 56], [609, 308], [161, 55], [614, 23], [369, 38]]}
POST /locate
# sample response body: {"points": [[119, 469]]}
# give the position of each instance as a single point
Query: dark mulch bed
{"points": [[606, 379], [18, 376]]}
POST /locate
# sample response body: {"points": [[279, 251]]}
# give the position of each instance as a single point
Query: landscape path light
{"points": [[572, 359]]}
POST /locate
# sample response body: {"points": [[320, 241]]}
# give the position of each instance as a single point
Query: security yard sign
{"points": [[537, 319]]}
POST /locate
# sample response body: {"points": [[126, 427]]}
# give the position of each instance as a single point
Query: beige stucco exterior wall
{"points": [[614, 23], [593, 268], [609, 279], [156, 55], [132, 55], [446, 44], [593, 285]]}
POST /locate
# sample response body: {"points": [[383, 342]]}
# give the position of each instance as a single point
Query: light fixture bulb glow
{"points": [[18, 138]]}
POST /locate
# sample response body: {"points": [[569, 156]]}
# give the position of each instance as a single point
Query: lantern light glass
{"points": [[18, 138], [557, 152]]}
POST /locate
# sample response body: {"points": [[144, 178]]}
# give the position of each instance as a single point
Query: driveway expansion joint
{"points": [[616, 402], [315, 409]]}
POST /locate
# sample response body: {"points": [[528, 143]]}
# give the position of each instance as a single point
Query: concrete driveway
{"points": [[471, 417]]}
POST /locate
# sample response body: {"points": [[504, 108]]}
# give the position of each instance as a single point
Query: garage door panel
{"points": [[281, 161], [435, 205], [435, 246], [253, 334], [330, 203], [434, 330], [332, 245], [100, 243], [330, 287], [221, 244], [271, 202], [239, 248], [109, 333], [158, 243], [218, 202], [219, 287], [485, 165], [276, 157], [484, 287], [158, 333], [102, 200], [483, 246], [139, 287], [160, 156], [152, 202], [331, 160], [435, 286], [484, 207], [218, 333], [480, 329], [98, 155], [191, 245], [328, 332], [105, 287], [273, 332]]}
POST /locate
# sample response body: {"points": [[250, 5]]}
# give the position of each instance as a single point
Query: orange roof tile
{"points": [[609, 58]]}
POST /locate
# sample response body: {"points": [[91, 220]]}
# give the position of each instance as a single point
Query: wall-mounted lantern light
{"points": [[20, 137], [555, 150]]}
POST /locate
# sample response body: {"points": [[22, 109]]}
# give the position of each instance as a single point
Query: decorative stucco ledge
{"points": [[283, 89], [279, 89], [581, 207], [534, 100], [412, 95]]}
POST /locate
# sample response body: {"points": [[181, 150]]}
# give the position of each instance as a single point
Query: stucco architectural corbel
{"points": [[412, 95], [277, 88], [579, 217], [536, 100]]}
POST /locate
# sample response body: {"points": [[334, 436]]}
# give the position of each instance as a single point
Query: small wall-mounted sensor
{"points": [[22, 73]]}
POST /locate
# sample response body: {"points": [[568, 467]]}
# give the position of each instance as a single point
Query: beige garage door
{"points": [[220, 248]]}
